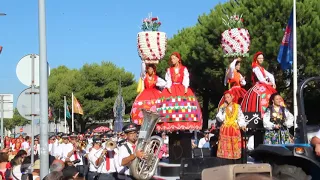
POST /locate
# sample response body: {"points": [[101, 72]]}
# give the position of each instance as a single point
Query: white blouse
{"points": [[261, 78], [270, 125], [160, 82], [185, 81], [240, 119], [230, 74]]}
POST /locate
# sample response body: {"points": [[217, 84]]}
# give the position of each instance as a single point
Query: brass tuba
{"points": [[145, 168]]}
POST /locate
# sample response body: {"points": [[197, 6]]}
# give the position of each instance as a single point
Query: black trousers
{"points": [[91, 175], [125, 177], [83, 170]]}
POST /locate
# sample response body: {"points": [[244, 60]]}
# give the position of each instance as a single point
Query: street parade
{"points": [[230, 96]]}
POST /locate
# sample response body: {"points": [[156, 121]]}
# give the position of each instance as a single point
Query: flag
{"points": [[68, 115], [77, 106], [285, 56]]}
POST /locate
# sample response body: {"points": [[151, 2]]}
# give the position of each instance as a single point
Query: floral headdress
{"points": [[150, 23], [234, 21], [235, 40]]}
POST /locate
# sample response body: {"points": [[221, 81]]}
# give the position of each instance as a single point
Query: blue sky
{"points": [[80, 32]]}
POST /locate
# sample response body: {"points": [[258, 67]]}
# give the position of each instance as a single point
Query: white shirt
{"points": [[102, 168], [36, 149], [80, 154], [56, 150], [119, 168], [65, 148], [90, 140], [89, 147], [50, 148], [92, 159], [16, 172], [123, 153], [25, 145], [202, 142], [260, 76]]}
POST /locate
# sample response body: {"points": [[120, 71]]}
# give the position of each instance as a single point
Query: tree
{"points": [[95, 86], [17, 120], [202, 53]]}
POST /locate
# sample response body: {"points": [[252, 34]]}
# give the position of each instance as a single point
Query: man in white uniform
{"points": [[128, 151], [93, 168], [65, 147], [76, 155]]}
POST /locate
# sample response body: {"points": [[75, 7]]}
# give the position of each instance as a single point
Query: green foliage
{"points": [[17, 120], [266, 20], [95, 86]]}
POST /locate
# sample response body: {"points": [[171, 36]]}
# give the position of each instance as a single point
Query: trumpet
{"points": [[80, 146], [110, 145], [83, 145]]}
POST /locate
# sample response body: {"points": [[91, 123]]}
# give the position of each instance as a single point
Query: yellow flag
{"points": [[77, 106], [140, 85]]}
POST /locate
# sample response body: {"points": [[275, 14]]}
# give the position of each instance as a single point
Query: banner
{"points": [[285, 56]]}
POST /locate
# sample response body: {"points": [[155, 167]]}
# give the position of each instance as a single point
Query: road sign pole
{"points": [[44, 154], [2, 114]]}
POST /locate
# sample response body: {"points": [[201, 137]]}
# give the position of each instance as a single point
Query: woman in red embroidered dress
{"points": [[148, 97], [229, 146], [7, 142], [17, 146], [257, 97], [235, 80], [178, 104]]}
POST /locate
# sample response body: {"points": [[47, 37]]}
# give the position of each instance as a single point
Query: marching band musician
{"points": [[65, 147], [127, 152], [93, 169], [104, 160], [89, 140], [59, 147], [54, 147], [89, 137], [58, 138], [104, 138], [51, 144], [120, 169], [121, 138], [76, 155]]}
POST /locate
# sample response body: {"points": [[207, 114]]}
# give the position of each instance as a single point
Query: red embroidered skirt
{"points": [[179, 110], [146, 100]]}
